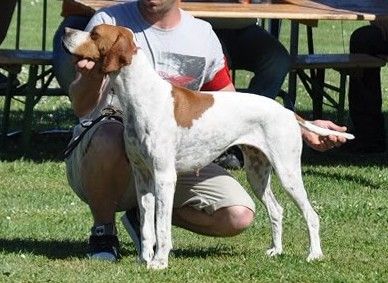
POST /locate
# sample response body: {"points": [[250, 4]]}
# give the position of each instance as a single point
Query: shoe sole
{"points": [[132, 233], [104, 256]]}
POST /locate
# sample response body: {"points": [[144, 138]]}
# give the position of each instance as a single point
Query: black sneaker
{"points": [[103, 246], [231, 159], [130, 220]]}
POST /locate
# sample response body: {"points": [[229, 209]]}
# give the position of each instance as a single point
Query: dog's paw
{"points": [[274, 251], [157, 264], [147, 255], [315, 256]]}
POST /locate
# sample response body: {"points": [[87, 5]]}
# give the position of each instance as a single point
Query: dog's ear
{"points": [[119, 55]]}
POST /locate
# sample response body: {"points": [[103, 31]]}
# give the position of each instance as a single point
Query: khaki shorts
{"points": [[210, 190]]}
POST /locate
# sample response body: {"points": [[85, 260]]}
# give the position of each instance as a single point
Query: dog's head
{"points": [[113, 46]]}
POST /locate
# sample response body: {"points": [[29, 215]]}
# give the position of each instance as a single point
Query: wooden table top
{"points": [[278, 9]]}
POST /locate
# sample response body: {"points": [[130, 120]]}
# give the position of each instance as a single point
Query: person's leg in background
{"points": [[7, 8], [253, 49], [365, 97], [63, 63]]}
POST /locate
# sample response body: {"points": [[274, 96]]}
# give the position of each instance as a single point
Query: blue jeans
{"points": [[6, 12], [365, 97], [64, 69], [255, 50]]}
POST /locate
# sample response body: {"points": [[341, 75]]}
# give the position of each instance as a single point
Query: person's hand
{"points": [[88, 68], [85, 65], [323, 143]]}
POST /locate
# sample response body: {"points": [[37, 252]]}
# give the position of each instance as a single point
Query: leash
{"points": [[106, 113]]}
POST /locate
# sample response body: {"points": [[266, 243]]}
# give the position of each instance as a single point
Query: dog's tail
{"points": [[321, 131]]}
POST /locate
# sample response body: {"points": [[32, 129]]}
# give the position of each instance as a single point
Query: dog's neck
{"points": [[139, 88]]}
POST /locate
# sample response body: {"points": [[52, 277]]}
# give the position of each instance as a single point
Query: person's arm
{"points": [[217, 76], [86, 89], [229, 87], [220, 81]]}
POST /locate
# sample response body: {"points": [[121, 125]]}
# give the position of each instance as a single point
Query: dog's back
{"points": [[235, 118]]}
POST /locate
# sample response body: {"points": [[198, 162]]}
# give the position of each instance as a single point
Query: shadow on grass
{"points": [[51, 133], [194, 252], [50, 248], [338, 157], [360, 180], [47, 146], [55, 249]]}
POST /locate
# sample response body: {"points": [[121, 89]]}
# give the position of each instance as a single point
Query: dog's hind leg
{"points": [[258, 170], [287, 166], [164, 198]]}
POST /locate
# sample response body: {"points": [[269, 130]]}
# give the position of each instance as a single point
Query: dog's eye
{"points": [[94, 35]]}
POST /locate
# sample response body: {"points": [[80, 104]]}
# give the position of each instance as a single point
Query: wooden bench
{"points": [[314, 82], [40, 75], [311, 69]]}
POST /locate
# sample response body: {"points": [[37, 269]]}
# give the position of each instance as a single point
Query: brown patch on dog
{"points": [[189, 105], [87, 50], [112, 44]]}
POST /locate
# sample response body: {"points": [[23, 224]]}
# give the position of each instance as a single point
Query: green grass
{"points": [[44, 226]]}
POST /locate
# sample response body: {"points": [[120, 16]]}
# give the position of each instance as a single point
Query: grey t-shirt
{"points": [[187, 55]]}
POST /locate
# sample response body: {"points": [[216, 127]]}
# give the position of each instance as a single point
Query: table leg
{"points": [[10, 92], [29, 107]]}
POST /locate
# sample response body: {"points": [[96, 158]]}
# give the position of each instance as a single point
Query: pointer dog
{"points": [[169, 130]]}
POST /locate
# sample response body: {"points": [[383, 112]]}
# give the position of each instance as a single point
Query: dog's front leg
{"points": [[146, 200], [164, 198]]}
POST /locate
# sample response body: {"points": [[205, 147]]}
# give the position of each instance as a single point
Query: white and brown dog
{"points": [[170, 130]]}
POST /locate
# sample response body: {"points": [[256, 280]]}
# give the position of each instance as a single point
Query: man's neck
{"points": [[164, 19]]}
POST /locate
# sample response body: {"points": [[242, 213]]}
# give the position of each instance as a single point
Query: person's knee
{"points": [[356, 40], [272, 52], [279, 60], [270, 69], [238, 218], [362, 39]]}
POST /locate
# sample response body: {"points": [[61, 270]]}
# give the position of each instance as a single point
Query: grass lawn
{"points": [[44, 227]]}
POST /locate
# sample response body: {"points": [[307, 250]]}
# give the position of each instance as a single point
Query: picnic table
{"points": [[277, 9], [40, 76], [298, 11]]}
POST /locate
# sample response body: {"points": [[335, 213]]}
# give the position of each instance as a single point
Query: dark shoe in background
{"points": [[231, 159]]}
